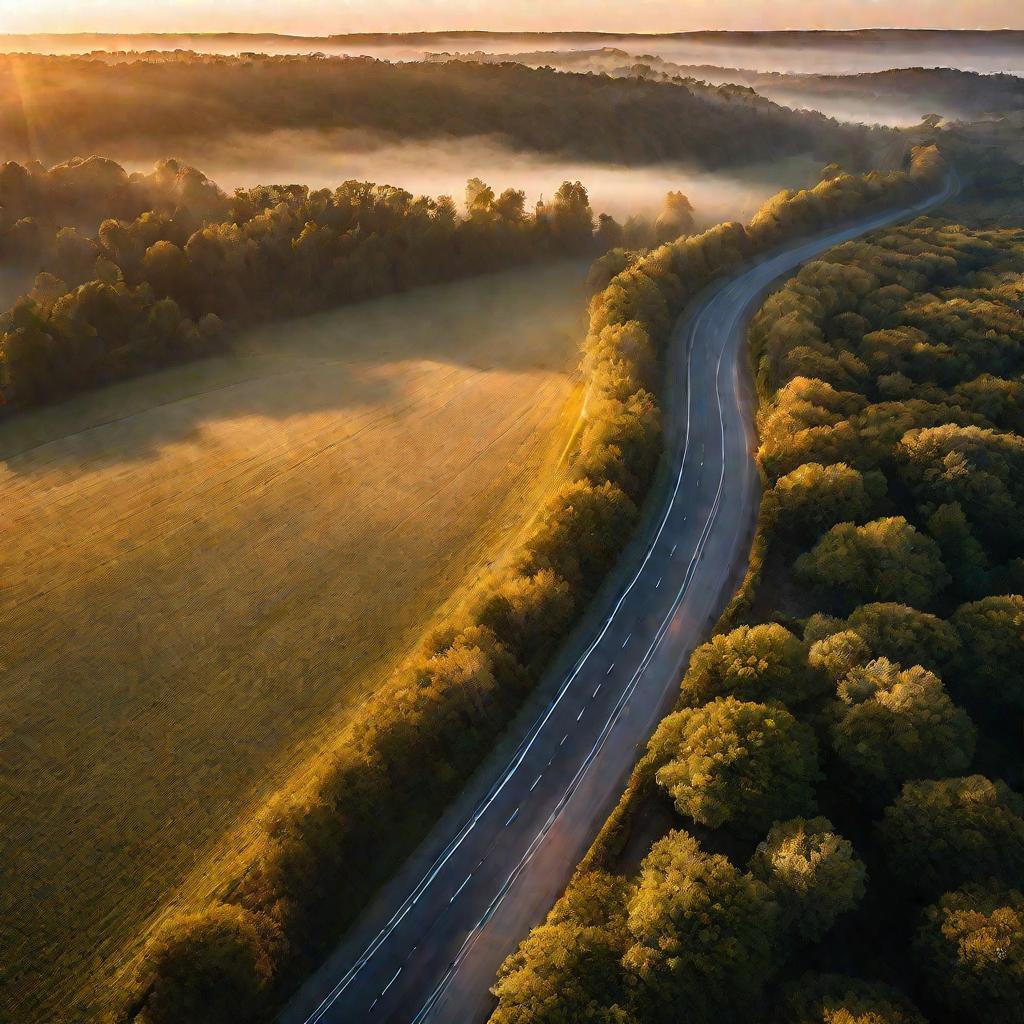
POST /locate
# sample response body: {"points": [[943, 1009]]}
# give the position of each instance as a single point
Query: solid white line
{"points": [[395, 978], [513, 818]]}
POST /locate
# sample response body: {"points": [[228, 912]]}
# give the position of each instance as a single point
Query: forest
{"points": [[325, 846], [829, 826], [166, 265], [59, 107]]}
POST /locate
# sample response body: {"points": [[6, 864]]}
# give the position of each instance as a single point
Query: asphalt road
{"points": [[431, 941]]}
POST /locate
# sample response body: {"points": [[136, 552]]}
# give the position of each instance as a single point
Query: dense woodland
{"points": [[950, 90], [326, 845], [161, 267], [839, 830], [61, 106]]}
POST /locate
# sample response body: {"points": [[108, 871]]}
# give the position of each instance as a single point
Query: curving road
{"points": [[429, 945]]}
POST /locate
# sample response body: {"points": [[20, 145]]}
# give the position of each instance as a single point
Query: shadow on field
{"points": [[356, 357]]}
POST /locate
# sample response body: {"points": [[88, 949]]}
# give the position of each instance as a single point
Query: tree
{"points": [[813, 873], [737, 763], [570, 967], [209, 968], [704, 935], [970, 947], [904, 634], [835, 999], [938, 835], [886, 560], [990, 665], [812, 498], [675, 219], [891, 724], [759, 663], [837, 654]]}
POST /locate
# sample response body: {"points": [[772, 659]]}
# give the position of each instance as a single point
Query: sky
{"points": [[323, 17]]}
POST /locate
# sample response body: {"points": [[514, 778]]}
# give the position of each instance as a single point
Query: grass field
{"points": [[204, 570]]}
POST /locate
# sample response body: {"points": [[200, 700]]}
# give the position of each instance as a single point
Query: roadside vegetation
{"points": [[830, 827], [327, 844]]}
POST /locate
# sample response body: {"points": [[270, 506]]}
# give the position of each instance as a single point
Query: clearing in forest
{"points": [[216, 562]]}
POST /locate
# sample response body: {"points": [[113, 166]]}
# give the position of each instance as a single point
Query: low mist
{"points": [[323, 160]]}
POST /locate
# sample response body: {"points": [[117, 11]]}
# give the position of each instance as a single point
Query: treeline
{"points": [[77, 105], [842, 838], [176, 264], [366, 802]]}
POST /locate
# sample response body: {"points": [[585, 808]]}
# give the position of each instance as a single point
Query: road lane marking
{"points": [[626, 641], [657, 585], [580, 715], [564, 738], [513, 818], [596, 688], [610, 667], [673, 551], [395, 978], [461, 887], [535, 781]]}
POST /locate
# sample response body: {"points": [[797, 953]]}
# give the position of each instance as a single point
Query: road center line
{"points": [[628, 635], [596, 688], [456, 893], [513, 818], [535, 781]]}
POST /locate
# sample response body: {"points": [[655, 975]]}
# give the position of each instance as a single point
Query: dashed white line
{"points": [[395, 978], [626, 641], [610, 667], [535, 781], [460, 888], [596, 688], [513, 818], [580, 715], [564, 738], [658, 584], [673, 551]]}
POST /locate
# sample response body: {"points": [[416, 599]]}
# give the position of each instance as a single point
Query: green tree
{"points": [[990, 665], [885, 560], [570, 967], [813, 873], [758, 663], [970, 947], [704, 935], [904, 634], [835, 999], [737, 763], [938, 835], [209, 968], [891, 724], [812, 498]]}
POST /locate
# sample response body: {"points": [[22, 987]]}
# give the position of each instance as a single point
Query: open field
{"points": [[214, 563]]}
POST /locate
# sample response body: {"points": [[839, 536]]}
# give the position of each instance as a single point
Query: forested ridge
{"points": [[326, 844], [143, 270], [835, 808], [67, 105]]}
